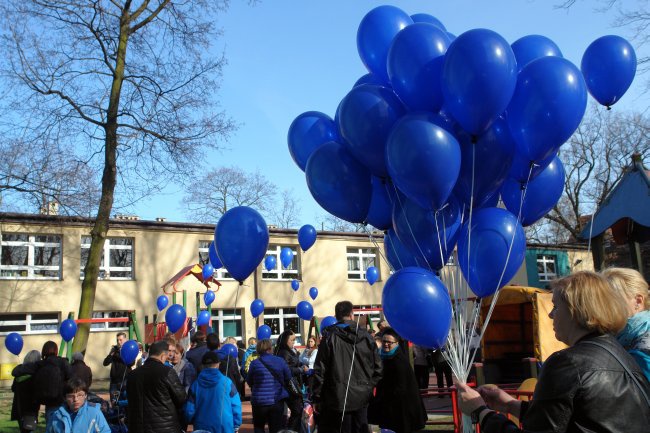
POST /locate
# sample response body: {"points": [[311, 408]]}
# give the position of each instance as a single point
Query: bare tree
{"points": [[284, 212], [335, 224], [128, 84]]}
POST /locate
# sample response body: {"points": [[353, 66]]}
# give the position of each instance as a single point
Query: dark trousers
{"points": [[422, 375], [295, 406], [352, 422], [443, 368], [272, 414]]}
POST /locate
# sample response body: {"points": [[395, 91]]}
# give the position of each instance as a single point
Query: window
{"points": [[227, 323], [29, 323], [370, 312], [279, 273], [110, 326], [204, 257], [281, 319], [546, 267], [360, 259], [117, 258], [25, 256]]}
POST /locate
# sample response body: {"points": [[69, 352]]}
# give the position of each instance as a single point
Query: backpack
{"points": [[48, 384], [252, 357]]}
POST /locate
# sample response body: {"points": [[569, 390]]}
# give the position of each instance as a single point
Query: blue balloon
{"points": [[326, 322], [270, 262], [175, 317], [161, 302], [307, 132], [547, 107], [264, 332], [478, 79], [372, 275], [380, 213], [370, 79], [129, 351], [521, 167], [208, 297], [452, 37], [417, 305], [304, 310], [242, 239], [207, 271], [485, 164], [68, 329], [286, 256], [214, 258], [203, 318], [533, 47], [542, 193], [423, 159], [295, 285], [313, 293], [366, 117], [375, 34], [483, 250], [306, 236], [339, 183], [257, 307], [609, 66], [430, 19], [229, 350], [14, 343], [415, 63], [397, 254]]}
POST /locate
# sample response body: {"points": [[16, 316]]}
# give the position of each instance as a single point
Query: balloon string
{"points": [[347, 387], [379, 251]]}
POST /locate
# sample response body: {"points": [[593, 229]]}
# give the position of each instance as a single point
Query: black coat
{"points": [[293, 361], [119, 369], [156, 397], [81, 371], [230, 369], [49, 363], [24, 402], [397, 404], [581, 389], [332, 368]]}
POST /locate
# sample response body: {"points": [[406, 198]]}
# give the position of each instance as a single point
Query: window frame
{"points": [[359, 254], [204, 257], [374, 315], [31, 244], [279, 273], [105, 267], [544, 259], [219, 316], [29, 321], [106, 326], [279, 313]]}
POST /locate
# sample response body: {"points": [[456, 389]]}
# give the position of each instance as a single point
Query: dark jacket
{"points": [[265, 388], [24, 402], [230, 368], [45, 377], [119, 369], [332, 368], [583, 389], [83, 372], [195, 355], [156, 398], [397, 404], [292, 358]]}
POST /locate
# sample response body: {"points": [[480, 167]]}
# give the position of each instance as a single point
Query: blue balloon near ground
{"points": [[257, 307], [307, 132], [372, 275], [14, 343], [415, 63], [304, 310], [542, 193], [306, 236], [533, 47], [313, 293], [242, 239], [203, 318], [129, 351], [264, 332], [397, 254], [175, 317], [295, 285], [521, 169], [417, 306], [609, 66], [286, 257], [270, 263], [484, 253], [214, 258], [68, 329], [208, 297], [371, 79], [366, 116], [207, 271], [327, 321], [161, 302], [430, 19], [478, 79], [547, 107], [339, 183], [423, 159], [380, 212], [375, 34]]}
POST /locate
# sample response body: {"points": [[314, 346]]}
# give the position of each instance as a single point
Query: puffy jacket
{"points": [[332, 368], [195, 355], [156, 397], [213, 403], [583, 389], [265, 388], [89, 419]]}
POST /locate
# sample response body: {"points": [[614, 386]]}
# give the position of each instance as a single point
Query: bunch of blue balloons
{"points": [[442, 125]]}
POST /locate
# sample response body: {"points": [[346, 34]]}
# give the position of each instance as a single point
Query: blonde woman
{"points": [[635, 337]]}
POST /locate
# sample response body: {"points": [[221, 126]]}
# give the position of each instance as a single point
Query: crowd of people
{"points": [[354, 378]]}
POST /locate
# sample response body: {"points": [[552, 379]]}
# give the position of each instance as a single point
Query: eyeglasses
{"points": [[76, 396], [390, 343]]}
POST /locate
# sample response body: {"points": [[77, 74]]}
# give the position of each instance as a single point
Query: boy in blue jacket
{"points": [[77, 415]]}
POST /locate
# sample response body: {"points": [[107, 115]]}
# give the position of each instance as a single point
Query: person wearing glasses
{"points": [[397, 404], [77, 415]]}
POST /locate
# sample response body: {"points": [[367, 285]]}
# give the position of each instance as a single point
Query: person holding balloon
{"points": [[119, 369]]}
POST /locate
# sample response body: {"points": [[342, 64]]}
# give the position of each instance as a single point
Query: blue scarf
{"points": [[636, 334], [389, 354]]}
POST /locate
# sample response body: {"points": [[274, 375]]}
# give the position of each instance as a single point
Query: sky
{"points": [[286, 57]]}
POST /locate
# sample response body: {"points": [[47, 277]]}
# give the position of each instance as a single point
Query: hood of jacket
{"points": [[209, 377], [347, 331]]}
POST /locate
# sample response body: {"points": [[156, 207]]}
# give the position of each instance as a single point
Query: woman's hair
{"points": [[179, 348], [392, 332], [32, 357], [263, 346], [49, 349], [282, 340], [593, 303], [629, 282], [316, 339], [75, 385]]}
